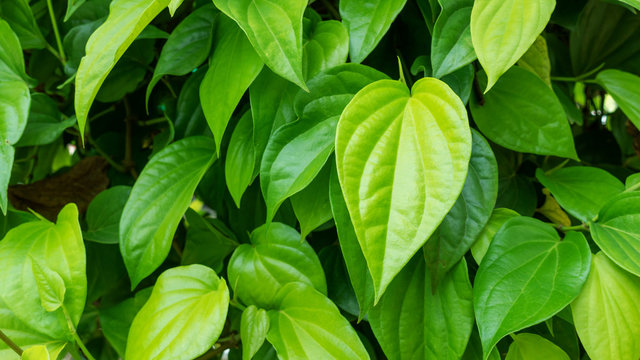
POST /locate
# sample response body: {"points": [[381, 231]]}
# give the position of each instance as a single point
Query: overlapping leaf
{"points": [[451, 46], [621, 86]]}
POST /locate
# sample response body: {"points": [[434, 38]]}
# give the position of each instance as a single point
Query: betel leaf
{"points": [[45, 122], [274, 30], [622, 87], [115, 321], [497, 219], [187, 47], [581, 190], [451, 46], [536, 60], [523, 114], [327, 47], [503, 30], [397, 187], [57, 248], [232, 68], [412, 321], [188, 302], [275, 257], [607, 314], [307, 325], [240, 163], [20, 17], [174, 5], [103, 215], [157, 202], [311, 205], [528, 275], [617, 233], [531, 346], [127, 19], [368, 21], [254, 326]]}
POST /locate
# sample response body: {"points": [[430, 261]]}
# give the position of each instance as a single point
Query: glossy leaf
{"points": [[621, 86], [153, 211], [254, 326], [311, 205], [174, 5], [188, 302], [398, 189], [20, 17], [50, 285], [500, 34], [497, 219], [45, 123], [327, 47], [536, 60], [529, 346], [451, 46], [524, 254], [240, 164], [103, 215]]}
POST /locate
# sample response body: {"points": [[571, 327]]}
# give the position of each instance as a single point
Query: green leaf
{"points": [[622, 87], [606, 314], [311, 205], [157, 202], [127, 19], [338, 290], [275, 257], [451, 46], [474, 349], [24, 288], [275, 31], [7, 153], [632, 182], [232, 68], [116, 320], [468, 216], [536, 60], [581, 190], [188, 46], [206, 244], [616, 231], [368, 21], [103, 215], [525, 253], [327, 47], [37, 352], [523, 114], [189, 118], [503, 30], [634, 3], [254, 326], [45, 122], [497, 219], [174, 5], [188, 302], [413, 322], [13, 218], [72, 6], [307, 325], [530, 346], [240, 164], [19, 16], [398, 188]]}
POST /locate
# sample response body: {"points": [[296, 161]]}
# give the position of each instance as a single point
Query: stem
{"points": [[74, 333], [579, 77], [633, 188], [101, 114], [558, 167], [581, 227], [53, 51], [332, 10], [158, 120], [56, 32], [237, 305], [10, 343]]}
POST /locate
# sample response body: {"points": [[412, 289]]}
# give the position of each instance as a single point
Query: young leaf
{"points": [[37, 352], [536, 60], [104, 213], [307, 325], [497, 219], [50, 285], [311, 205], [606, 313], [523, 114], [327, 47], [188, 302], [621, 86], [254, 326], [19, 15], [451, 46], [275, 31], [368, 21], [503, 30], [396, 187], [527, 276], [157, 202], [530, 346], [240, 164]]}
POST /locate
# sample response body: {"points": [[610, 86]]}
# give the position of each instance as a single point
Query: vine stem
{"points": [[332, 10], [74, 333], [56, 32], [581, 227], [10, 343]]}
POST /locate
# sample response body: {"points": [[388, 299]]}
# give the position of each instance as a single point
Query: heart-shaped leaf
{"points": [[254, 326], [451, 47]]}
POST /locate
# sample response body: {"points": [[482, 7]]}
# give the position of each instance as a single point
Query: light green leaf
{"points": [[174, 5], [311, 205], [524, 254], [205, 243], [531, 346], [37, 352], [50, 285], [232, 68], [307, 325], [497, 219], [157, 202], [634, 3], [632, 182], [536, 60], [581, 190], [327, 47], [398, 188], [275, 257], [240, 164], [607, 313], [451, 46], [127, 19], [45, 122], [275, 31], [622, 87], [188, 302], [116, 320], [368, 21], [523, 114], [254, 326], [18, 14], [7, 153], [103, 215]]}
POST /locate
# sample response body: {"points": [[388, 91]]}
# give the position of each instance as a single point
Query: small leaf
{"points": [[327, 47], [536, 60], [497, 219], [37, 352], [254, 326], [552, 210], [621, 86], [51, 287], [188, 302], [104, 213], [530, 346], [174, 5], [240, 164], [311, 205], [451, 46]]}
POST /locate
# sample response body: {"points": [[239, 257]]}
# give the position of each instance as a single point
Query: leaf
{"points": [[7, 153], [501, 35], [368, 21], [275, 31], [20, 17], [621, 86], [327, 47], [72, 6], [412, 322], [528, 346], [45, 122], [524, 254], [552, 210], [157, 202], [581, 190], [240, 164], [451, 46], [127, 19], [616, 231], [536, 60], [307, 325], [206, 244], [188, 46], [497, 219], [188, 302], [311, 205], [275, 257], [474, 349], [397, 188], [57, 248], [468, 216], [174, 5], [232, 68], [632, 182], [189, 118], [254, 327], [523, 114], [116, 320], [606, 313], [338, 290], [103, 215], [37, 352]]}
